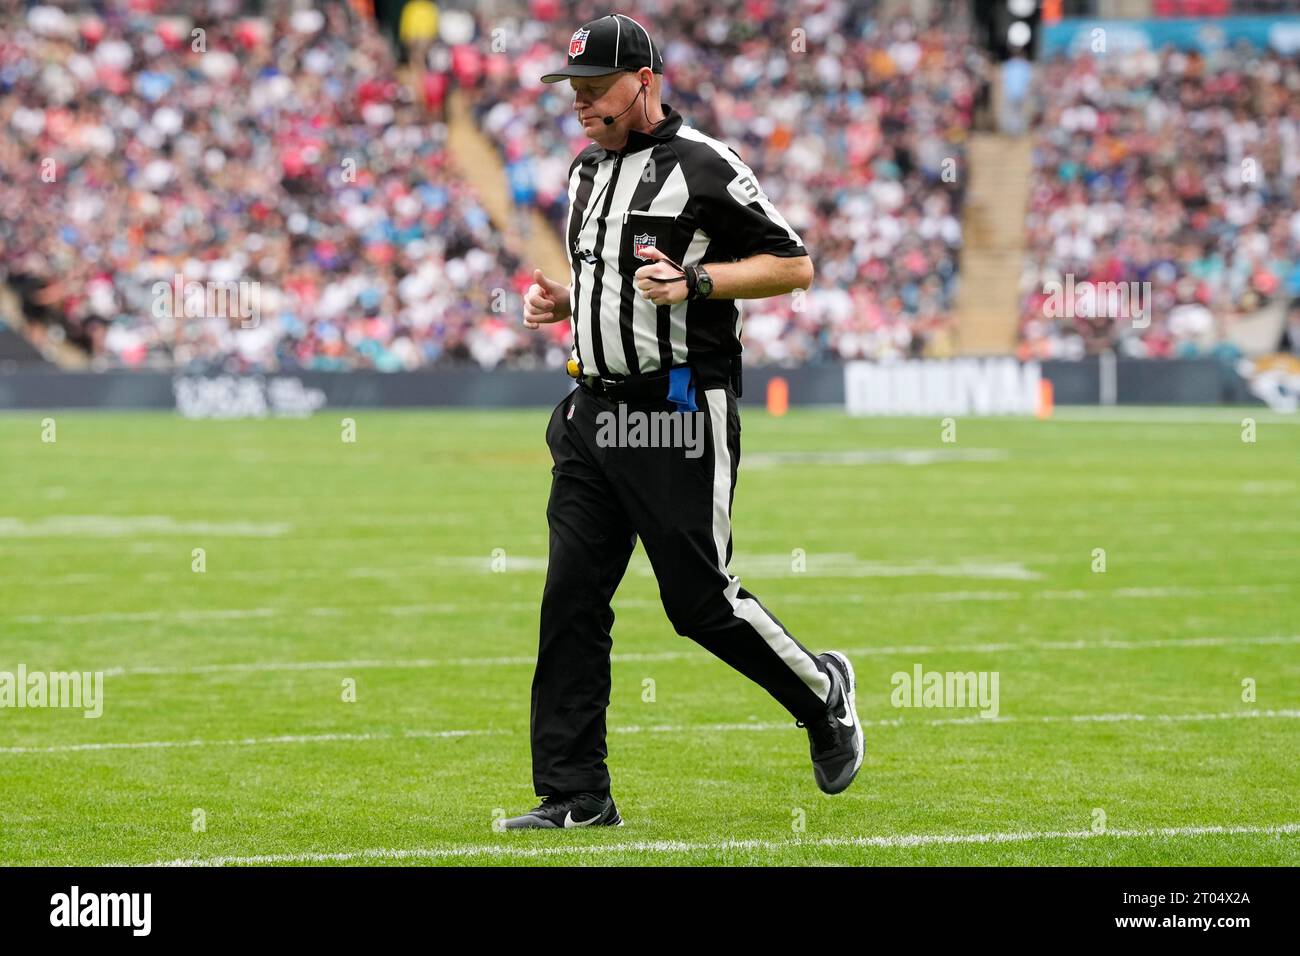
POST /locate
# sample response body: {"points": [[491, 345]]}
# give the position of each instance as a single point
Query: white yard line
{"points": [[527, 660], [142, 617], [1171, 415], [903, 840], [538, 566], [454, 607], [243, 741], [124, 526], [870, 456], [1121, 718], [753, 726]]}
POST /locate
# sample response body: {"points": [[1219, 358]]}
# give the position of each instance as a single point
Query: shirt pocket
{"points": [[642, 230]]}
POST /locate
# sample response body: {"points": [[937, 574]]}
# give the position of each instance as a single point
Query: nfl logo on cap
{"points": [[607, 45]]}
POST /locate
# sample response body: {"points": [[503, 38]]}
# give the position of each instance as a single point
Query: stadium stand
{"points": [[291, 150], [226, 163], [1171, 168], [284, 152]]}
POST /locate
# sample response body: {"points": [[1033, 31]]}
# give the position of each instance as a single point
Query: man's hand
{"points": [[545, 301], [660, 293]]}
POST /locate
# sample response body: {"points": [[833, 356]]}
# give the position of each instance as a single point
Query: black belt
{"points": [[651, 387], [710, 372]]}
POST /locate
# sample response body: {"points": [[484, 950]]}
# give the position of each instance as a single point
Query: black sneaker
{"points": [[835, 740], [568, 810]]}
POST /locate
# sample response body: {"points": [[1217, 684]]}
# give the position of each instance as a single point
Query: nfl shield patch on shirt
{"points": [[642, 244]]}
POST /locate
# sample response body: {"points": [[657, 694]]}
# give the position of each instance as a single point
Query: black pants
{"points": [[602, 499]]}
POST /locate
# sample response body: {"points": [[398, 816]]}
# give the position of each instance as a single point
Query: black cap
{"points": [[611, 44]]}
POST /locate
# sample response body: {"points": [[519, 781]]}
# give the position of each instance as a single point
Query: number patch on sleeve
{"points": [[745, 189]]}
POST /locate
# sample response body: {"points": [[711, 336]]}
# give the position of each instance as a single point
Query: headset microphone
{"points": [[609, 120]]}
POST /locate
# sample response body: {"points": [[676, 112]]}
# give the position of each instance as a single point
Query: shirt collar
{"points": [[638, 140]]}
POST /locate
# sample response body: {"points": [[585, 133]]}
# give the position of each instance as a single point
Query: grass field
{"points": [[326, 561]]}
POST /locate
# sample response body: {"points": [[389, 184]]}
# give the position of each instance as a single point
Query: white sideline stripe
{"points": [[244, 741], [1121, 718], [869, 456], [654, 656], [221, 614], [776, 564], [655, 729], [121, 526], [1104, 644], [452, 607], [1160, 415], [906, 840], [748, 609], [1079, 594]]}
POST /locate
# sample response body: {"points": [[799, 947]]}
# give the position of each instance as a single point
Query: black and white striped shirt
{"points": [[694, 199]]}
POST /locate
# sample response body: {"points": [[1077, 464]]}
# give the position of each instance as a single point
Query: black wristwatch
{"points": [[699, 284]]}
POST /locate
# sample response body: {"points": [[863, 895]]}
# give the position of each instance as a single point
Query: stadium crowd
{"points": [[279, 151], [286, 152], [1177, 169], [284, 149]]}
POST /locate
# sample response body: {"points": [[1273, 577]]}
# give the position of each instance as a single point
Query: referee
{"points": [[667, 229]]}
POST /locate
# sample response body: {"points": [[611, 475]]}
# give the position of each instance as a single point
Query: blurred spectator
{"points": [[417, 29], [1016, 73], [1291, 334]]}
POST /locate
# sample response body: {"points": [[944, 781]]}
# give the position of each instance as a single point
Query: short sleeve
{"points": [[731, 206]]}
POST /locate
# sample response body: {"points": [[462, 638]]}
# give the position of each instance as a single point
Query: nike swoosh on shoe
{"points": [[846, 719]]}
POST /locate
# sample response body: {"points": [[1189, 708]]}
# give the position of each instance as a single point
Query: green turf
{"points": [[371, 561]]}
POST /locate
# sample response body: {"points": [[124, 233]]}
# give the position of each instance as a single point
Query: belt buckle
{"points": [[612, 388], [594, 384]]}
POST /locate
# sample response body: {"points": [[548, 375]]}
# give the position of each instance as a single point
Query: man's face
{"points": [[598, 96]]}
